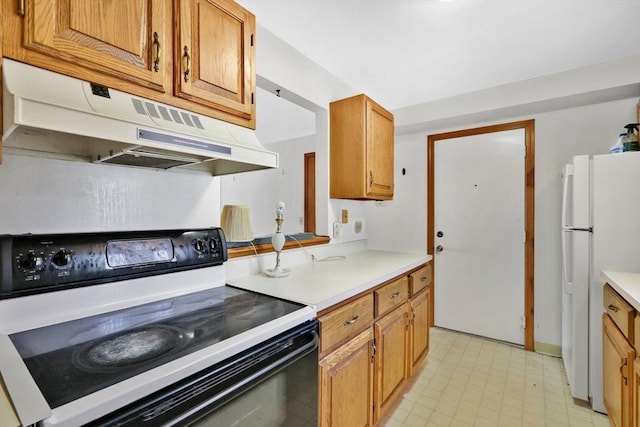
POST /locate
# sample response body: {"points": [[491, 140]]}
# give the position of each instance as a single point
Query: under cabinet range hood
{"points": [[52, 115]]}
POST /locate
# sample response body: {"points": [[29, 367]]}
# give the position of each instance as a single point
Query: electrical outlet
{"points": [[345, 216], [337, 229]]}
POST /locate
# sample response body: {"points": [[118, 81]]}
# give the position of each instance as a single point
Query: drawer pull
{"points": [[613, 308], [396, 295], [351, 321], [424, 279]]}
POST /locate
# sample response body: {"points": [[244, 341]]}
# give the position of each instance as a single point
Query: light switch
{"points": [[345, 216]]}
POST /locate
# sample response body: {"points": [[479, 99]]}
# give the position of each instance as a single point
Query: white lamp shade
{"points": [[236, 223]]}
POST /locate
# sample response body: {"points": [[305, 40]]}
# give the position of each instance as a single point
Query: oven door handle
{"points": [[254, 378]]}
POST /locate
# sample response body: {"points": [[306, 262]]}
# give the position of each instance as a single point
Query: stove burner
{"points": [[128, 348]]}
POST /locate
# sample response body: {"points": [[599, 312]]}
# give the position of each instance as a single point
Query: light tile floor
{"points": [[471, 381]]}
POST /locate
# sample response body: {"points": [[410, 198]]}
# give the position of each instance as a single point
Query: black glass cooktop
{"points": [[73, 359]]}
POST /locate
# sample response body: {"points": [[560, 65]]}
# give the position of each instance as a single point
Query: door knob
{"points": [[439, 248], [439, 234]]}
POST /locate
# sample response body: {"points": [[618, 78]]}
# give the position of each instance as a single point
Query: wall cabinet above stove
{"points": [[361, 150], [202, 63]]}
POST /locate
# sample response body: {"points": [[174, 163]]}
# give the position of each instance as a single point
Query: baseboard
{"points": [[548, 349]]}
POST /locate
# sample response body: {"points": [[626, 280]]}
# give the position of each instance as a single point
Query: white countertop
{"points": [[626, 284], [325, 283]]}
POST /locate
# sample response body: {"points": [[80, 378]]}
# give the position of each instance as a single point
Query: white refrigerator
{"points": [[600, 231]]}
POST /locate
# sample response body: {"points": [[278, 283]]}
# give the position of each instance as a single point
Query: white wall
{"points": [[590, 129], [40, 195], [401, 224]]}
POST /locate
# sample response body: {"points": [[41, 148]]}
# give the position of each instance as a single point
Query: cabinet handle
{"points": [[396, 295], [351, 321], [21, 10], [624, 363], [370, 178], [613, 308], [186, 63], [157, 49], [424, 279]]}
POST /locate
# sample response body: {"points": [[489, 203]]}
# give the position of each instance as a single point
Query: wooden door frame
{"points": [[310, 192], [529, 182]]}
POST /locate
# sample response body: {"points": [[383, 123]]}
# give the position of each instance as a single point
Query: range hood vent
{"points": [[52, 115]]}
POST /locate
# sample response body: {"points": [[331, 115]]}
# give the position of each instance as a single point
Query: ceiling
{"points": [[407, 52]]}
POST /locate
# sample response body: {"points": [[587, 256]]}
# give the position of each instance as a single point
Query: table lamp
{"points": [[277, 240], [236, 223]]}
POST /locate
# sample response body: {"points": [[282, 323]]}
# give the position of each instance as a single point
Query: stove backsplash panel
{"points": [[39, 195]]}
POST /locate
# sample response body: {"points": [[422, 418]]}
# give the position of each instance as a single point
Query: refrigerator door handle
{"points": [[568, 171], [567, 285]]}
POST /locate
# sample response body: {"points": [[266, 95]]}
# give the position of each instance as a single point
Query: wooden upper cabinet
{"points": [[361, 153], [215, 55], [144, 47], [130, 40]]}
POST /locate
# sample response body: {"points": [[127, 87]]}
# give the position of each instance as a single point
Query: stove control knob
{"points": [[213, 244], [198, 245], [61, 258], [29, 260]]}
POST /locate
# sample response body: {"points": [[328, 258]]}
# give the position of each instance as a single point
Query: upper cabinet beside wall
{"points": [[215, 53], [133, 46], [361, 150]]}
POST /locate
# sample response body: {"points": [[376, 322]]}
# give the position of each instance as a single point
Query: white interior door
{"points": [[479, 234]]}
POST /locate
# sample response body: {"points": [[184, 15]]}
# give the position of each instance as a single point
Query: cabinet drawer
{"points": [[345, 321], [391, 295], [620, 311], [420, 279]]}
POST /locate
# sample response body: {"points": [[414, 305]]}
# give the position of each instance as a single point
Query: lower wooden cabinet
{"points": [[419, 308], [617, 363], [391, 340], [636, 392], [369, 347], [346, 384]]}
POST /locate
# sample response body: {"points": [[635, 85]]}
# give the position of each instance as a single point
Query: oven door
{"points": [[274, 383]]}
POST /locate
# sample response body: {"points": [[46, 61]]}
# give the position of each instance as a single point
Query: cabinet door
{"points": [[215, 55], [636, 392], [129, 39], [346, 384], [617, 365], [391, 333], [361, 149], [419, 330], [379, 151]]}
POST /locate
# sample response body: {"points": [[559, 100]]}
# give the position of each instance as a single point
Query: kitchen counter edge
{"points": [[358, 273]]}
